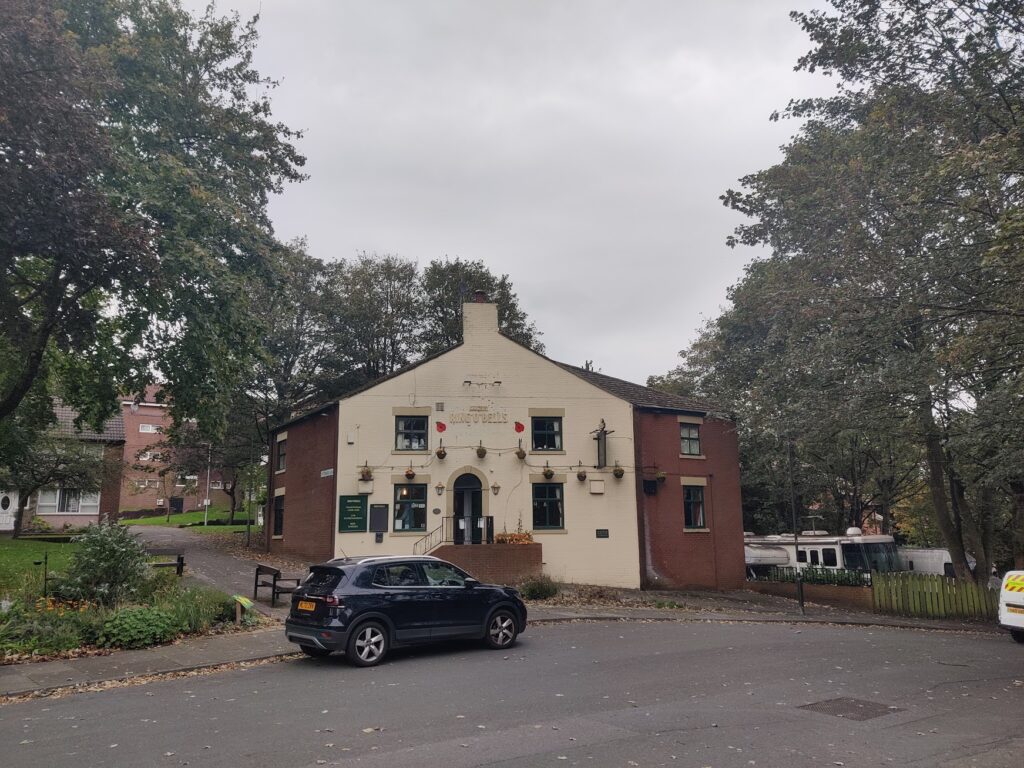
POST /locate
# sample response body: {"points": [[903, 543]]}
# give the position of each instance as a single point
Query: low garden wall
{"points": [[495, 563], [858, 598]]}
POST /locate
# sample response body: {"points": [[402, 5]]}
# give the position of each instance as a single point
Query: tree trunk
{"points": [[936, 461], [19, 513], [229, 489], [1017, 540]]}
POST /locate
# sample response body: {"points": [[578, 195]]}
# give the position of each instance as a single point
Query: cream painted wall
{"points": [[488, 374]]}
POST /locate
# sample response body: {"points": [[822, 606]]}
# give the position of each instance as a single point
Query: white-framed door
{"points": [[8, 508]]}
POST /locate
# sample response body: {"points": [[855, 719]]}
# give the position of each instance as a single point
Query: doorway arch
{"points": [[467, 508]]}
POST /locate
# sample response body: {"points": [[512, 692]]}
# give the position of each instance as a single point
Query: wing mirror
{"points": [[470, 583]]}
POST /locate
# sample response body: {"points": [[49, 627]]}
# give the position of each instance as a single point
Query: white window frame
{"points": [[88, 503], [150, 429]]}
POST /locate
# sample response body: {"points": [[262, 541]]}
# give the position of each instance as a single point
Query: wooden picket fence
{"points": [[923, 595]]}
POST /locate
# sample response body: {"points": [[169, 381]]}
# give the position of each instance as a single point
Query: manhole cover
{"points": [[851, 709]]}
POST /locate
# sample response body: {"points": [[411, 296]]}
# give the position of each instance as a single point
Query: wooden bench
{"points": [[268, 576], [178, 563]]}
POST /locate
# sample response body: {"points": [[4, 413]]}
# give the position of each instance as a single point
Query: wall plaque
{"points": [[351, 514]]}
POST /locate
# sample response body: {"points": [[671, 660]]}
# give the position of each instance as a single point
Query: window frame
{"points": [[409, 503], [410, 433], [557, 432], [688, 441], [150, 429], [281, 460], [559, 498], [700, 522], [829, 553]]}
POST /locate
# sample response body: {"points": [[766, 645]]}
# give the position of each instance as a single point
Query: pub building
{"points": [[615, 483]]}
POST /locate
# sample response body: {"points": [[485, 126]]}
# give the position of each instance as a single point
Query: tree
{"points": [[448, 284], [67, 247], [888, 312], [144, 148], [377, 304], [54, 461]]}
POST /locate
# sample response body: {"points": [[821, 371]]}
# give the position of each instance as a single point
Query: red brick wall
{"points": [[310, 500], [826, 594], [671, 557], [495, 563]]}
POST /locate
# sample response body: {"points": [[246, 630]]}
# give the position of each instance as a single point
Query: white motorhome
{"points": [[926, 560], [818, 549]]}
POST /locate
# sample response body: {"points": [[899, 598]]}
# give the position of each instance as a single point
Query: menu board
{"points": [[351, 514]]}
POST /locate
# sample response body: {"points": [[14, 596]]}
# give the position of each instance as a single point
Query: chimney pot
{"points": [[479, 296]]}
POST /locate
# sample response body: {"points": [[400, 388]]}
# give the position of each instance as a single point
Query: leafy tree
{"points": [[377, 304], [67, 245], [54, 461], [448, 284], [889, 310], [144, 156]]}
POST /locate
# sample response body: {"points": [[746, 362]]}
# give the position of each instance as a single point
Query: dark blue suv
{"points": [[365, 606]]}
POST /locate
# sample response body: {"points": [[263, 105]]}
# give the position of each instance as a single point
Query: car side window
{"points": [[444, 575], [380, 577], [404, 575]]}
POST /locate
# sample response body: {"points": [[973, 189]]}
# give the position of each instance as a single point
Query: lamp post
{"points": [[796, 537], [206, 500]]}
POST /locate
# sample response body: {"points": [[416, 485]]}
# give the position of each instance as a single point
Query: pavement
{"points": [[233, 573]]}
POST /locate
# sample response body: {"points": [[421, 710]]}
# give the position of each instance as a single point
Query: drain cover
{"points": [[851, 709]]}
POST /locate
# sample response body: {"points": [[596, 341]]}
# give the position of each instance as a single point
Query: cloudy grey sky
{"points": [[579, 146]]}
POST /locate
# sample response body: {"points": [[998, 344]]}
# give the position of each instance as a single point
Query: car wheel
{"points": [[501, 630], [316, 653], [368, 645], [1017, 634]]}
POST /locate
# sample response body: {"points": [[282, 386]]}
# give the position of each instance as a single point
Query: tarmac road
{"points": [[593, 694]]}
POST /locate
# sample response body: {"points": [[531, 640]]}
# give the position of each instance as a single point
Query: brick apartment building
{"points": [[617, 484]]}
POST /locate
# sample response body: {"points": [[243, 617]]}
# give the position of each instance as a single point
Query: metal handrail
{"points": [[432, 540]]}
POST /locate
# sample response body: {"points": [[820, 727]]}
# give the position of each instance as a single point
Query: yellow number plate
{"points": [[1014, 609], [307, 605]]}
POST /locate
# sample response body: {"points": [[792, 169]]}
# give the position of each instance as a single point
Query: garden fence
{"points": [[923, 595]]}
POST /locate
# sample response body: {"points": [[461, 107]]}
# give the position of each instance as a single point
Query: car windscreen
{"points": [[323, 580]]}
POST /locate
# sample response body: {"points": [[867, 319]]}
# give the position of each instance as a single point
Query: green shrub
{"points": [[109, 566], [539, 587], [138, 627], [48, 626], [195, 609]]}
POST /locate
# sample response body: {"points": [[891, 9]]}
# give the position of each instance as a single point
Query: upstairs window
{"points": [[693, 507], [410, 433], [150, 428], [282, 455], [547, 433], [689, 439]]}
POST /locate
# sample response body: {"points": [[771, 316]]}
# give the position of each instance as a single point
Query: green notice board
{"points": [[351, 514]]}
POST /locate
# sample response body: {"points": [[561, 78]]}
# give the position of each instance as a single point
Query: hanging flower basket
{"points": [[619, 472], [581, 475], [410, 473], [548, 473], [481, 451], [365, 473], [661, 476], [441, 452], [520, 453]]}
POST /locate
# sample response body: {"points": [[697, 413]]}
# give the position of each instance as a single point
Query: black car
{"points": [[365, 606]]}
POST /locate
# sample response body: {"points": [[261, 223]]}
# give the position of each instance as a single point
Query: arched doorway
{"points": [[468, 509]]}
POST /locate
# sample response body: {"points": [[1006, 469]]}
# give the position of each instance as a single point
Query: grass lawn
{"points": [[190, 517], [17, 557]]}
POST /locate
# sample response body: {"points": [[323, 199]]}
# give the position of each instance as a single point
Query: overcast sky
{"points": [[580, 147]]}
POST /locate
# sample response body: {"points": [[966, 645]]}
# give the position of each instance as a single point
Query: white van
{"points": [[1011, 604]]}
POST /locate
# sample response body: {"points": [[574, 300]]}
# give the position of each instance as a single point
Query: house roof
{"points": [[638, 395], [112, 432]]}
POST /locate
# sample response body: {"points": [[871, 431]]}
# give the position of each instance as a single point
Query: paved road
{"points": [[593, 694]]}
